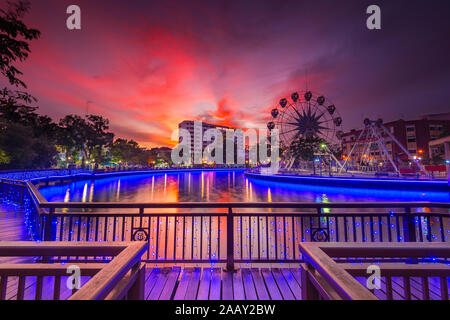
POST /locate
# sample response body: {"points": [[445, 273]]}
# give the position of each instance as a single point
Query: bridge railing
{"points": [[336, 271], [110, 271], [24, 175], [242, 232], [238, 232]]}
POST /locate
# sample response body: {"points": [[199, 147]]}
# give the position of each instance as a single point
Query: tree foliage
{"points": [[305, 148], [4, 158], [128, 152], [26, 137], [29, 140], [86, 136], [14, 35]]}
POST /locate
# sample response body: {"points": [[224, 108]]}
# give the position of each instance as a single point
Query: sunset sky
{"points": [[148, 65]]}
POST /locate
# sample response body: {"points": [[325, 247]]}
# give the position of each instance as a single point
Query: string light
{"points": [[279, 231]]}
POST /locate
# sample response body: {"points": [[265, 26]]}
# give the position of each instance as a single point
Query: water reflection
{"points": [[230, 187]]}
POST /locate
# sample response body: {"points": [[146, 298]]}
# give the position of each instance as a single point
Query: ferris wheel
{"points": [[306, 115]]}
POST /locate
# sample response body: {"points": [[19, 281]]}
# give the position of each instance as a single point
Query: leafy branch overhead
{"points": [[14, 35], [29, 140]]}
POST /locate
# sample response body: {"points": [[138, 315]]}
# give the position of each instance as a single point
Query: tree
{"points": [[88, 137], [128, 151], [98, 138], [157, 156], [14, 35], [27, 138], [15, 141], [306, 148], [4, 158], [72, 136], [14, 105]]}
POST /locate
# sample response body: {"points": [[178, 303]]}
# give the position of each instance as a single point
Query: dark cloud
{"points": [[151, 64]]}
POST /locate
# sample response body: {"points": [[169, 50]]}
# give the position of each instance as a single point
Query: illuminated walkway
{"points": [[256, 284], [215, 284], [175, 283], [12, 224], [12, 228]]}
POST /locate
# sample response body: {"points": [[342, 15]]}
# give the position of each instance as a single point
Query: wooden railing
{"points": [[108, 271], [408, 271], [237, 232]]}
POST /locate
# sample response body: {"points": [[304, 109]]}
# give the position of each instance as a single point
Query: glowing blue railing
{"points": [[25, 175]]}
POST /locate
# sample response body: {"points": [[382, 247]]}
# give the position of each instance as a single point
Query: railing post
{"points": [[141, 216], [409, 226], [48, 231], [309, 291], [137, 290], [230, 240], [22, 194]]}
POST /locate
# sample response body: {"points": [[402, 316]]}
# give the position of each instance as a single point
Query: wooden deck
{"points": [[175, 283], [12, 228], [194, 283], [252, 284], [214, 284], [12, 224]]}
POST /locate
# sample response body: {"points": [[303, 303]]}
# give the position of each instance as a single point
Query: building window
{"points": [[410, 129], [411, 139]]}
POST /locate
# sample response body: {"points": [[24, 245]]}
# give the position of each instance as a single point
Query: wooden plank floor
{"points": [[174, 283], [12, 228], [256, 284], [12, 224], [207, 283]]}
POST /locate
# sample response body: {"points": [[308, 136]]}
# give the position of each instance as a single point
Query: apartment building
{"points": [[198, 144]]}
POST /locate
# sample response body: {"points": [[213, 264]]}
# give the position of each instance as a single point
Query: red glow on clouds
{"points": [[146, 77], [150, 65]]}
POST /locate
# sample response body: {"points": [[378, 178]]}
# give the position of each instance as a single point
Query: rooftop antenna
{"points": [[87, 106], [306, 78]]}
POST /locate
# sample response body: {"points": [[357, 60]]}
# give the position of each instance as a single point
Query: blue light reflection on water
{"points": [[209, 186]]}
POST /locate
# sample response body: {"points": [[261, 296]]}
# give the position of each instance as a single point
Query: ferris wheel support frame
{"points": [[422, 167], [367, 131], [379, 141], [351, 151], [366, 149], [334, 157], [386, 152]]}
